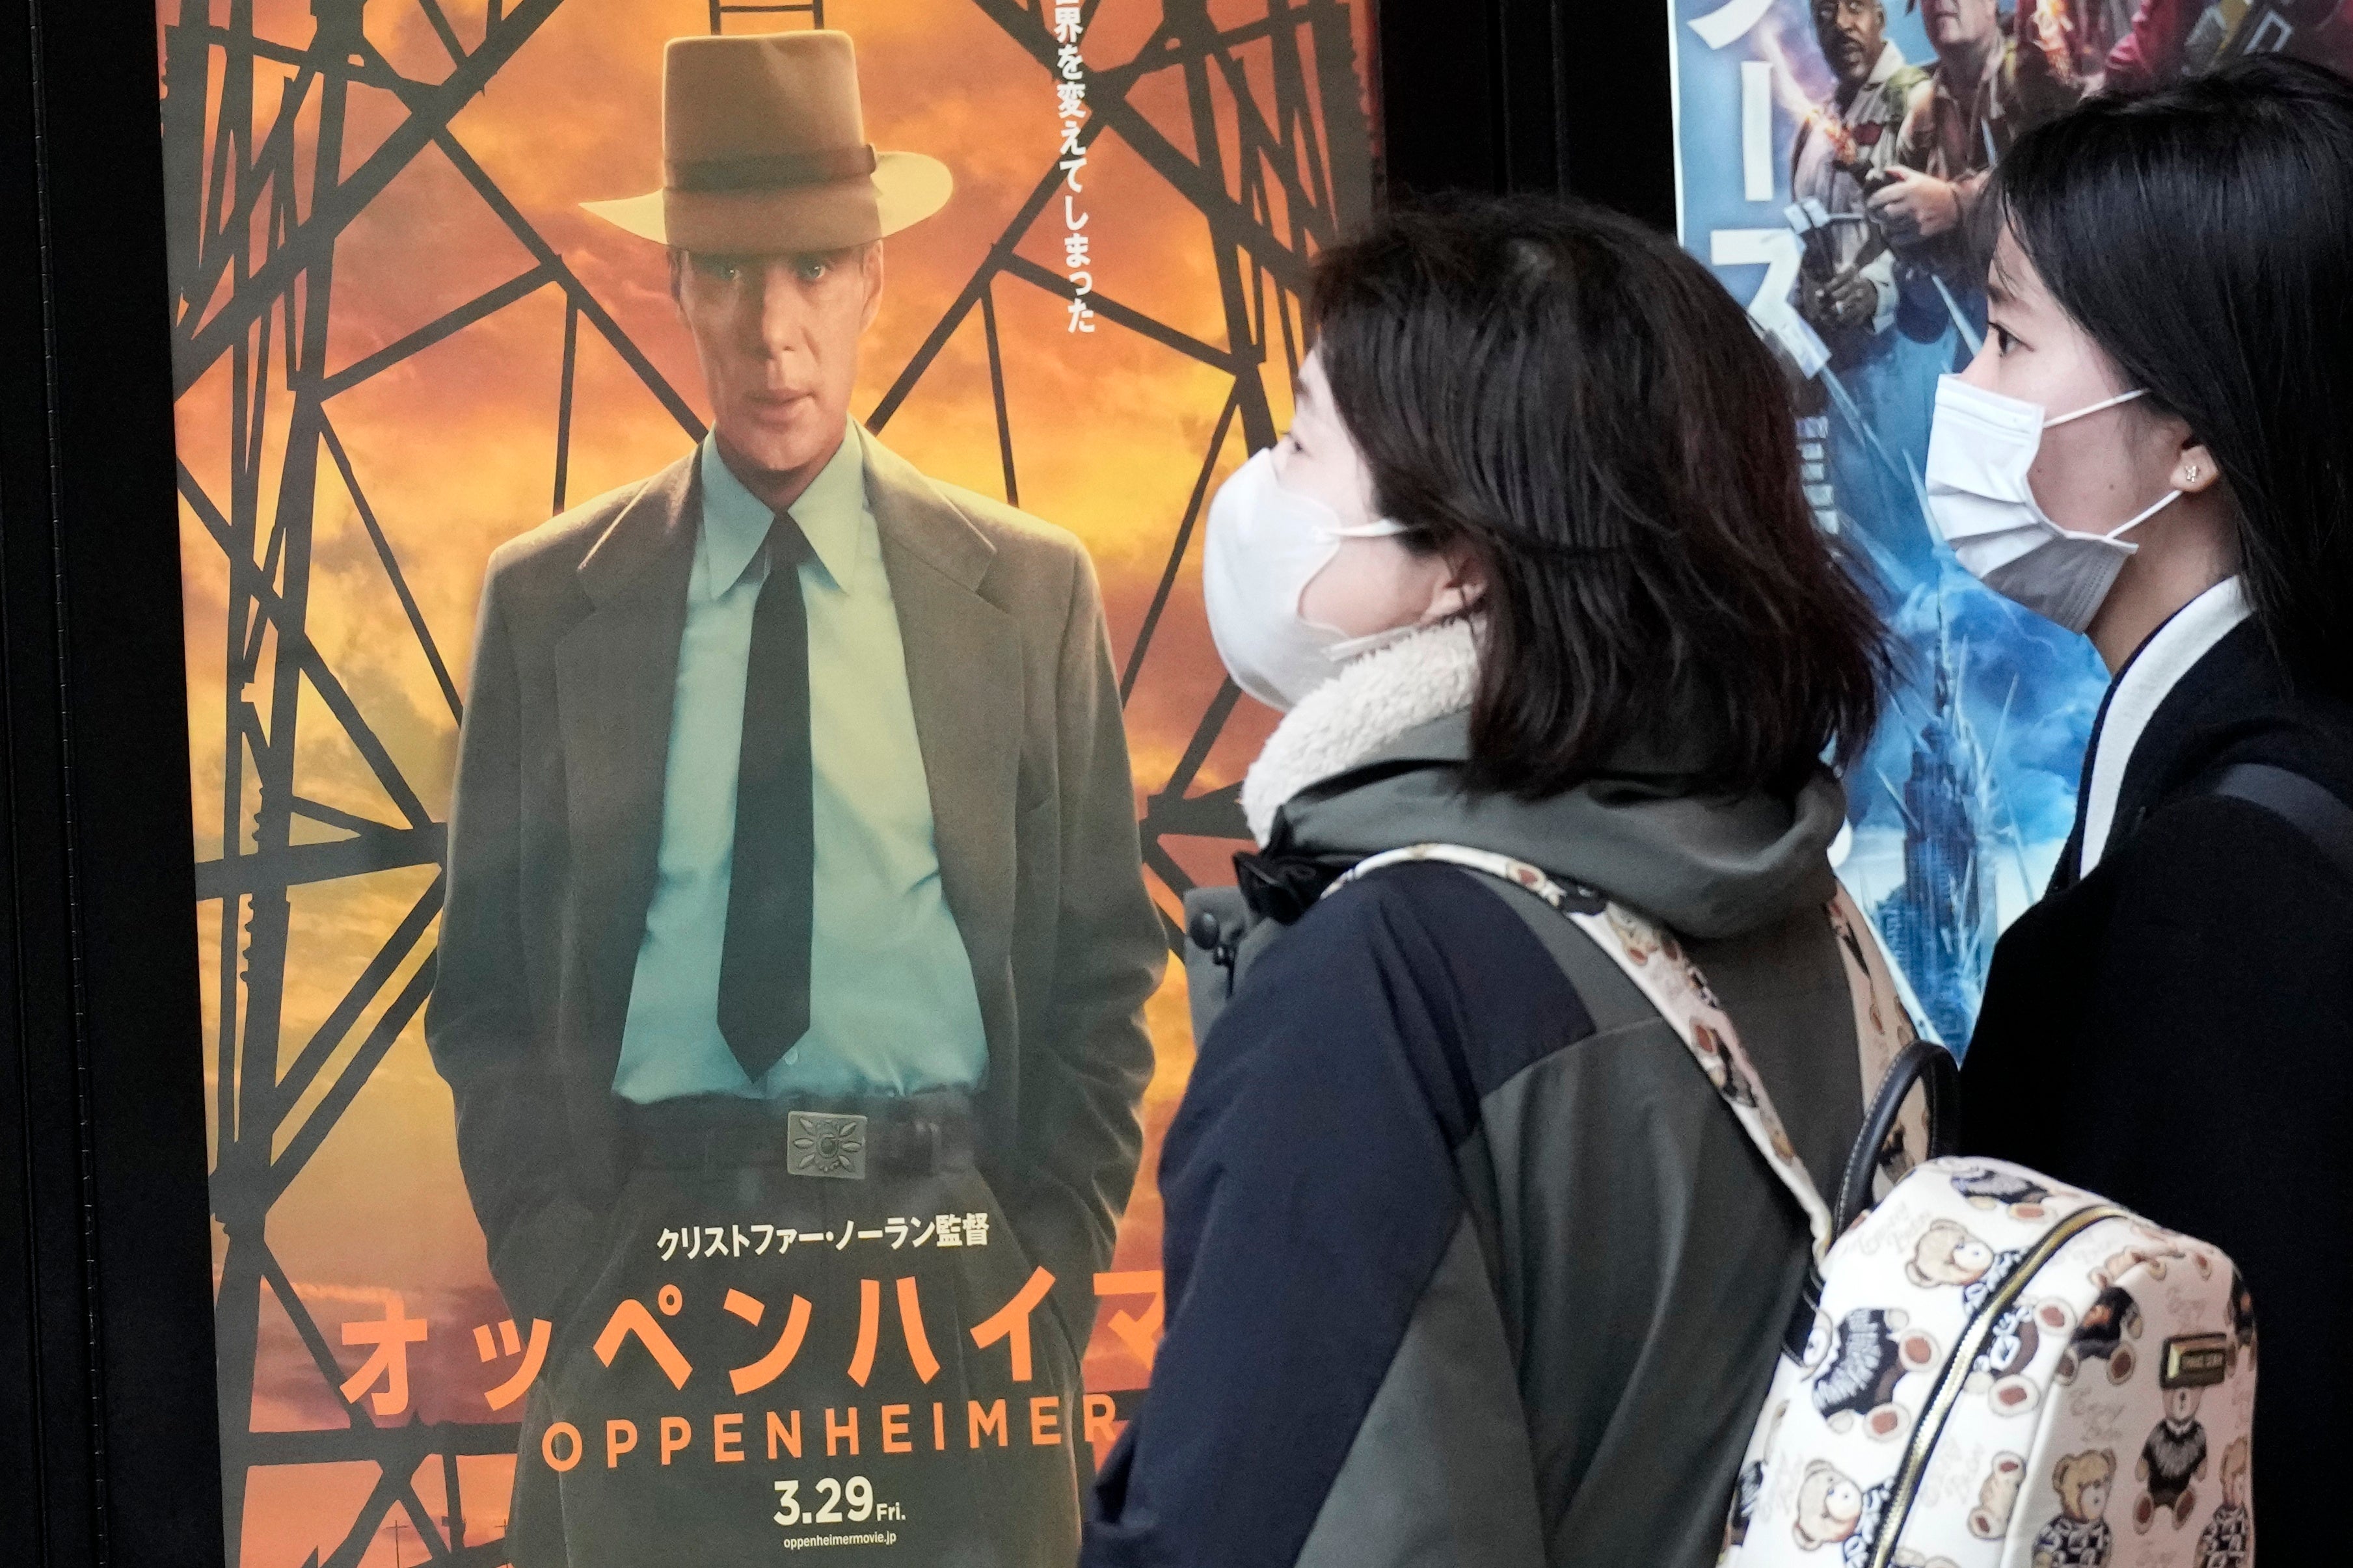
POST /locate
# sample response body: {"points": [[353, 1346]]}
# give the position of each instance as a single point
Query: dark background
{"points": [[1530, 95], [108, 1448]]}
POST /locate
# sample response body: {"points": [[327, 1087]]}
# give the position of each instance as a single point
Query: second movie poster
{"points": [[702, 717], [1831, 159]]}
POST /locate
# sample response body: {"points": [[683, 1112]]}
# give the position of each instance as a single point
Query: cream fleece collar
{"points": [[1374, 700]]}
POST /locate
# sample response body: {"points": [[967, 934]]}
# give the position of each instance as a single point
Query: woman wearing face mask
{"points": [[2156, 448], [1467, 1262]]}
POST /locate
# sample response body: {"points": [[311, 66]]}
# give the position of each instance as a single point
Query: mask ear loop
{"points": [[2167, 500], [1338, 533], [2095, 408]]}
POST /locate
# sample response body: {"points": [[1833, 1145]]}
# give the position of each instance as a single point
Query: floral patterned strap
{"points": [[1655, 962]]}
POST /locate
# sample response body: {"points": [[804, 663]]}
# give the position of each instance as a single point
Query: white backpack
{"points": [[1989, 1368]]}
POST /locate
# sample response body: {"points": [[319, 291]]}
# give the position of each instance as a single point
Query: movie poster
{"points": [[701, 718], [1829, 158]]}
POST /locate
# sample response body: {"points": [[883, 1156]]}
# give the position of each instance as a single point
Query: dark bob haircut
{"points": [[2202, 236], [1571, 399]]}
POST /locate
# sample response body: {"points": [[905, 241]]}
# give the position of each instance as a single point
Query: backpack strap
{"points": [[1665, 975], [1929, 1064], [1886, 1025], [2313, 811]]}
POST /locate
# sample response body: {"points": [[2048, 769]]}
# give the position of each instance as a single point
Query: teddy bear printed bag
{"points": [[1999, 1371]]}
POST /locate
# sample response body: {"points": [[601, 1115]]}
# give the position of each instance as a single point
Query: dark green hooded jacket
{"points": [[1467, 1264]]}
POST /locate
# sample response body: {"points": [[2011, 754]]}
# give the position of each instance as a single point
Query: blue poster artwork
{"points": [[1828, 154]]}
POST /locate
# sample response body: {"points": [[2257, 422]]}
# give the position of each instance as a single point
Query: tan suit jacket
{"points": [[556, 822]]}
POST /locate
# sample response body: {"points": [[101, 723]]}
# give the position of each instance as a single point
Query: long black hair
{"points": [[2203, 237], [1568, 398]]}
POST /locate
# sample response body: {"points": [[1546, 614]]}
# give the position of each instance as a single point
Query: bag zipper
{"points": [[1948, 1391]]}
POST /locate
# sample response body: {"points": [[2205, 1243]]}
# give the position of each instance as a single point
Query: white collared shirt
{"points": [[892, 1006], [2172, 650]]}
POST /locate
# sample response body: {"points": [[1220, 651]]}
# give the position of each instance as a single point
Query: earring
{"points": [[2191, 473]]}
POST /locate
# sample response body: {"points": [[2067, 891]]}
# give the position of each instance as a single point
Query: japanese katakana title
{"points": [[636, 1328]]}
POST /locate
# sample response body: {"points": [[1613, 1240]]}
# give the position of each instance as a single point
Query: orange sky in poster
{"points": [[455, 448]]}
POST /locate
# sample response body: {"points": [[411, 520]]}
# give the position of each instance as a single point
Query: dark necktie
{"points": [[763, 970]]}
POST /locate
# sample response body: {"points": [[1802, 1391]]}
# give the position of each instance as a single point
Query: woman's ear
{"points": [[2194, 469], [1459, 588]]}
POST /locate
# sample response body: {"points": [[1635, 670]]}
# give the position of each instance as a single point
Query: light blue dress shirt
{"points": [[892, 1008]]}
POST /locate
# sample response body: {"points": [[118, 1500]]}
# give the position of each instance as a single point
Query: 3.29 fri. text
{"points": [[852, 1499]]}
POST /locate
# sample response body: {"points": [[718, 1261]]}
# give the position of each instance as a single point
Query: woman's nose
{"points": [[1979, 371]]}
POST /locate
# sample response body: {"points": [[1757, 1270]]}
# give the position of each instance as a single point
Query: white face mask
{"points": [[1979, 449], [1265, 545]]}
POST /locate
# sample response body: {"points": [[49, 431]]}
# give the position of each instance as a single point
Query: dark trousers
{"points": [[771, 1359]]}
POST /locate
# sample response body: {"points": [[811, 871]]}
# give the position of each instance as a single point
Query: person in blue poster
{"points": [[1829, 159], [1830, 154]]}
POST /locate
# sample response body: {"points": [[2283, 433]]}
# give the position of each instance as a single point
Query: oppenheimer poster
{"points": [[685, 981]]}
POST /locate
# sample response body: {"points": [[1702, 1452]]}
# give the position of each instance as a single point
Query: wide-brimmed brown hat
{"points": [[765, 149]]}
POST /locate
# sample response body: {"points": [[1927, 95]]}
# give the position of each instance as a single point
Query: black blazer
{"points": [[2175, 1031]]}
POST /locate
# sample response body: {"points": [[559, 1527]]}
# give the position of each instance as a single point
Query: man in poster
{"points": [[1848, 287], [1961, 121], [796, 941], [1841, 153], [1983, 91]]}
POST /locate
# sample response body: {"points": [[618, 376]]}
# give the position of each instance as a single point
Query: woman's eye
{"points": [[2004, 341]]}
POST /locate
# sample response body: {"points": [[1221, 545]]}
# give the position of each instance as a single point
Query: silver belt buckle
{"points": [[820, 1145]]}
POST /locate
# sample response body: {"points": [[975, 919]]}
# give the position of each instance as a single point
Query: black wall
{"points": [[108, 1451], [1530, 95]]}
